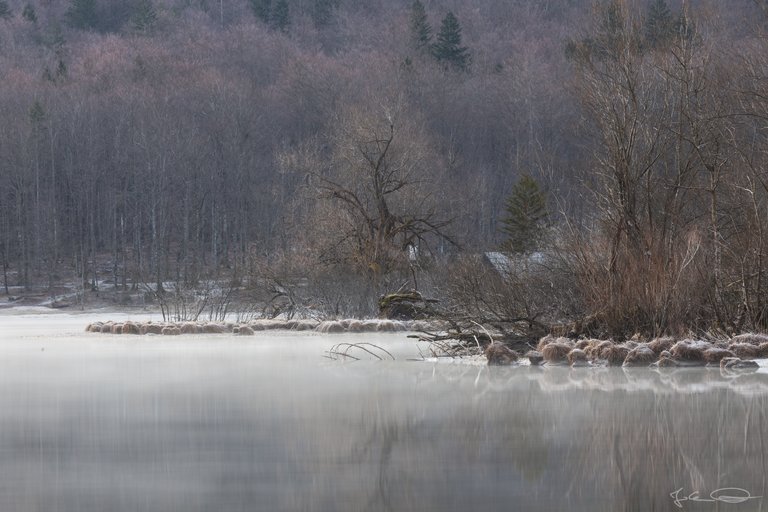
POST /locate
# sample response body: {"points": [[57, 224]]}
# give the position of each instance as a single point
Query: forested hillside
{"points": [[157, 140]]}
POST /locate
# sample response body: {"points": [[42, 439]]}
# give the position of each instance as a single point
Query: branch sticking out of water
{"points": [[341, 351]]}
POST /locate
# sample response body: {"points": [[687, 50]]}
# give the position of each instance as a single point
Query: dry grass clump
{"points": [[762, 350], [744, 350], [751, 338], [659, 345], [596, 351], [304, 325], [94, 327], [389, 326], [582, 344], [245, 330], [543, 342], [356, 326], [615, 354], [386, 326], [499, 354], [117, 328], [715, 355], [150, 328], [640, 356], [593, 349], [534, 357], [691, 351], [213, 329], [131, 328], [330, 326], [666, 361], [734, 363], [631, 344], [556, 352], [189, 328], [577, 357], [264, 324], [170, 331]]}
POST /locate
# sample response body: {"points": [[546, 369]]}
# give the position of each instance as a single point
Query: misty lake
{"points": [[93, 423]]}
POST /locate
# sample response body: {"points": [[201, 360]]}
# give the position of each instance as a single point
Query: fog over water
{"points": [[92, 422]]}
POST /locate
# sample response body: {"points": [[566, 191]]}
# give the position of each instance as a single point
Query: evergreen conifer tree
{"points": [[82, 14], [447, 48], [29, 13], [420, 29], [36, 114], [526, 216], [659, 26], [55, 39], [61, 70], [322, 12], [5, 11], [144, 16], [281, 16], [262, 9]]}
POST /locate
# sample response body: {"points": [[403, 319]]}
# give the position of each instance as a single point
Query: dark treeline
{"points": [[156, 140]]}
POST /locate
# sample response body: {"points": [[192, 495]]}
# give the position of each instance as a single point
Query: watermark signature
{"points": [[732, 495]]}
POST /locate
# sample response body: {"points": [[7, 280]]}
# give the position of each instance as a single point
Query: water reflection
{"points": [[227, 430]]}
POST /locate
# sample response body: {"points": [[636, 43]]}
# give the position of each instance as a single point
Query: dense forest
{"points": [[618, 146]]}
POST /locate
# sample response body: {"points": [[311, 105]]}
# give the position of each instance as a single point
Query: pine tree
{"points": [[29, 14], [447, 48], [281, 16], [144, 16], [82, 14], [322, 12], [55, 39], [5, 11], [659, 27], [61, 70], [36, 114], [526, 216], [262, 9], [421, 32]]}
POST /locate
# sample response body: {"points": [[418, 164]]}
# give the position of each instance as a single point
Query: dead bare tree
{"points": [[660, 153]]}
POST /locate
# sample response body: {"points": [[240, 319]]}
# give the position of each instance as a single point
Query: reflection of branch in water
{"points": [[761, 430], [659, 442]]}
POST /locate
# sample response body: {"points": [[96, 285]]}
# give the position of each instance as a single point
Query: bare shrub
{"points": [[518, 300]]}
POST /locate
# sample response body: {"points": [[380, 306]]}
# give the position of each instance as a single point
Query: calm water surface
{"points": [[95, 423]]}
